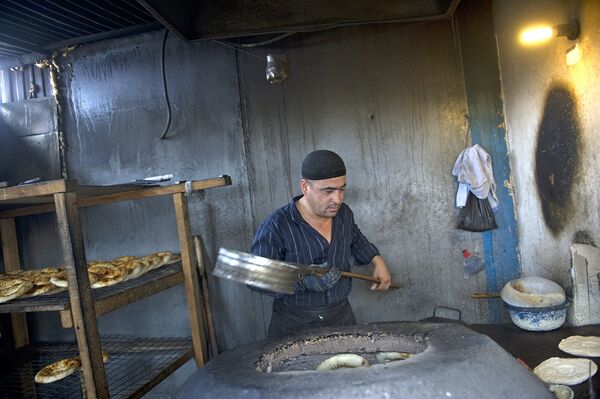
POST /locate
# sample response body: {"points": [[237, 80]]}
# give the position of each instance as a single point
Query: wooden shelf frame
{"points": [[37, 198], [66, 197]]}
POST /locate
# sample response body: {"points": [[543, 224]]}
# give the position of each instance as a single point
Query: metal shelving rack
{"points": [[79, 307]]}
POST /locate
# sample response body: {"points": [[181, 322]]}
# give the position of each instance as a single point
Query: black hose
{"points": [[165, 91]]}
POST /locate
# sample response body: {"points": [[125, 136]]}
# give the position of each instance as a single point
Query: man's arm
{"points": [[365, 252]]}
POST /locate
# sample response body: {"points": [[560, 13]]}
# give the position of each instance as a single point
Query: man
{"points": [[317, 228]]}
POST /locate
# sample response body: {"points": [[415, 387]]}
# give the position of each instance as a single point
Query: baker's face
{"points": [[325, 197]]}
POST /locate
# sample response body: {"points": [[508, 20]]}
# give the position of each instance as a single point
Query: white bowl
{"points": [[538, 319], [533, 292]]}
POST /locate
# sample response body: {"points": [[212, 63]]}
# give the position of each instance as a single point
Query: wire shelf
{"points": [[60, 301], [134, 367]]}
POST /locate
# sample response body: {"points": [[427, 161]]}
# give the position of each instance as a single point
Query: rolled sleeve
{"points": [[362, 250]]}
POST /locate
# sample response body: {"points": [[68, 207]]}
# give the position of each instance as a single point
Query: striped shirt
{"points": [[285, 235]]}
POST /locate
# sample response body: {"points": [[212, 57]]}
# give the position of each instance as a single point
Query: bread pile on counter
{"points": [[50, 280]]}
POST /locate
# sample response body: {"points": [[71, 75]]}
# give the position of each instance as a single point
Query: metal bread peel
{"points": [[269, 274]]}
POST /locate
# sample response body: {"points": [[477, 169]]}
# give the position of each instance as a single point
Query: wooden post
{"points": [[192, 291], [82, 306], [212, 335], [10, 252]]}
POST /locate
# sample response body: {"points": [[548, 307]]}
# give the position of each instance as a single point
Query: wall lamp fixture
{"points": [[539, 34]]}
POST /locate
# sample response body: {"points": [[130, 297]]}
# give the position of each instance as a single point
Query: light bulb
{"points": [[536, 35]]}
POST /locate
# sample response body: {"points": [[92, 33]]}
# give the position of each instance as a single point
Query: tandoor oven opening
{"points": [[307, 354]]}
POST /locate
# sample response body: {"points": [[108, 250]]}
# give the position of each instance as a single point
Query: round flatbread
{"points": [[108, 274], [40, 277], [57, 371], [168, 258], [11, 288], [122, 260], [59, 279], [47, 289], [580, 345], [61, 369], [153, 261], [135, 267], [341, 361], [566, 371]]}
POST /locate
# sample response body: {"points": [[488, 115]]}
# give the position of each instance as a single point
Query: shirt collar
{"points": [[294, 212]]}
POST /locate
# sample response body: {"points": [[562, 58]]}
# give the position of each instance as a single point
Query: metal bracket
{"points": [[188, 188]]}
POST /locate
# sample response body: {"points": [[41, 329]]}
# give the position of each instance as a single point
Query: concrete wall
{"points": [[389, 99], [552, 122]]}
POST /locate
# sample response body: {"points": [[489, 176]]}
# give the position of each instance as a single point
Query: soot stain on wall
{"points": [[584, 237], [557, 157]]}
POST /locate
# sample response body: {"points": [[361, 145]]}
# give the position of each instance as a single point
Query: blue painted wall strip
{"points": [[490, 273], [483, 92]]}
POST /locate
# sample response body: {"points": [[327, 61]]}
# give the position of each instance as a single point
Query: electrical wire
{"points": [[240, 50], [164, 81], [265, 42], [237, 47]]}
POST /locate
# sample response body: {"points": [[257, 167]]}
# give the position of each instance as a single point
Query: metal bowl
{"points": [[538, 319]]}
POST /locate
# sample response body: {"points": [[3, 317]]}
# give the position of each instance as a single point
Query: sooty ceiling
{"points": [[30, 29]]}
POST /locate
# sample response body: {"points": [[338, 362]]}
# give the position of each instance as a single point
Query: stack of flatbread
{"points": [[50, 280], [27, 283], [107, 273], [61, 369]]}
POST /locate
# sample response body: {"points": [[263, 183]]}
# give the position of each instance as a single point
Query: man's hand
{"points": [[322, 283], [381, 273]]}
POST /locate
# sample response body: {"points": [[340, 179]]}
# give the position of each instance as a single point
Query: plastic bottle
{"points": [[472, 264]]}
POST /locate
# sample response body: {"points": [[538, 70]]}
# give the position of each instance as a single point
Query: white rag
{"points": [[473, 169]]}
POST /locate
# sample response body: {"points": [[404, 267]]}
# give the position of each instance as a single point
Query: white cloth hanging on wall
{"points": [[473, 170]]}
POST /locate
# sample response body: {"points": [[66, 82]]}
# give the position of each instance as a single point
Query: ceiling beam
{"points": [[199, 20]]}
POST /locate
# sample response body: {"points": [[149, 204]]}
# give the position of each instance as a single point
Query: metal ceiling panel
{"points": [[35, 27], [31, 28]]}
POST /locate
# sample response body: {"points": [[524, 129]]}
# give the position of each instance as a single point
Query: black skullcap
{"points": [[323, 164]]}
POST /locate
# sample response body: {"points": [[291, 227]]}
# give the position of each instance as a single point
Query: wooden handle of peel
{"points": [[485, 295], [356, 275]]}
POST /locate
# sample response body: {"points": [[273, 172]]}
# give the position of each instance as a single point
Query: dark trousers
{"points": [[289, 319]]}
